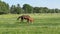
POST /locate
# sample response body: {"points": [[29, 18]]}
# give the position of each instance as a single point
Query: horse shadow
{"points": [[19, 22]]}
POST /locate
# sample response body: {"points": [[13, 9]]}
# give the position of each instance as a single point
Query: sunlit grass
{"points": [[43, 24]]}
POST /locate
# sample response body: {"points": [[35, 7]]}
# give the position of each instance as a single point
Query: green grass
{"points": [[43, 24]]}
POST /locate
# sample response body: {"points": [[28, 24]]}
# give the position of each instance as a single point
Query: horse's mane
{"points": [[18, 17]]}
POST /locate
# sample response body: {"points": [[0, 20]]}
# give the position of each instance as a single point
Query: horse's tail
{"points": [[18, 17]]}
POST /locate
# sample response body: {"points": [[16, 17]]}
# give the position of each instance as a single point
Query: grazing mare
{"points": [[26, 17]]}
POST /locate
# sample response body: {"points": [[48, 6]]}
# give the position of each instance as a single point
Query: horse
{"points": [[26, 17]]}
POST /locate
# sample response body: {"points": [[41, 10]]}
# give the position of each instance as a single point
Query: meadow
{"points": [[44, 23]]}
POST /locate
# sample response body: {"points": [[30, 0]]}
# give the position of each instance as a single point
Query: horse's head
{"points": [[31, 19]]}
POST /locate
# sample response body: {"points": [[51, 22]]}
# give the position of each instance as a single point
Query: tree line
{"points": [[17, 9]]}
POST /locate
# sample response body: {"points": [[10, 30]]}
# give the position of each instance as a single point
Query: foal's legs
{"points": [[28, 21], [21, 19]]}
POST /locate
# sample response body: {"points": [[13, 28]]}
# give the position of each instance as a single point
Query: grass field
{"points": [[43, 24]]}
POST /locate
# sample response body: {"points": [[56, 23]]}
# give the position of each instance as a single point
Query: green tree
{"points": [[4, 8], [27, 8], [19, 10], [16, 9], [57, 10], [13, 9], [45, 10], [36, 9]]}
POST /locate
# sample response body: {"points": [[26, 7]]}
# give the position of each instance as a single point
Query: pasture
{"points": [[43, 24]]}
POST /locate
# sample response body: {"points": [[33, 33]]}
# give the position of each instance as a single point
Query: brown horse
{"points": [[26, 17]]}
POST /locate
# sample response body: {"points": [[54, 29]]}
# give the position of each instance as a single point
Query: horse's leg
{"points": [[28, 20], [21, 19]]}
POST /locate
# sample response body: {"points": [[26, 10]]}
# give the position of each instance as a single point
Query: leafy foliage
{"points": [[27, 8], [4, 8], [17, 9]]}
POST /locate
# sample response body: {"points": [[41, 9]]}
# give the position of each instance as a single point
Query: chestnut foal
{"points": [[26, 17]]}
